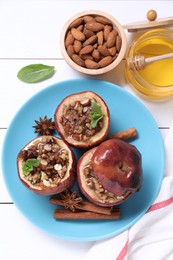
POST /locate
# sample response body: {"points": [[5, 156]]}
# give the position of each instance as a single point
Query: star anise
{"points": [[70, 200], [45, 126]]}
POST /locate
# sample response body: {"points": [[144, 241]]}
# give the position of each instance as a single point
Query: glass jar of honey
{"points": [[155, 80]]}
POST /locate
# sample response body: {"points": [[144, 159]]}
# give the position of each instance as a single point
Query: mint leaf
{"points": [[96, 114], [29, 165], [33, 162], [35, 73]]}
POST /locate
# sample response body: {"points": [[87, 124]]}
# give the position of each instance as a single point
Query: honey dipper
{"points": [[139, 61]]}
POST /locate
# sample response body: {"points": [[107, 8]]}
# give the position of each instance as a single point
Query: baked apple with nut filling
{"points": [[82, 119], [110, 173], [46, 165]]}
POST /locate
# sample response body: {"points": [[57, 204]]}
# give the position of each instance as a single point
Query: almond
{"points": [[77, 46], [87, 57], [91, 40], [76, 22], [87, 33], [111, 39], [80, 28], [96, 55], [118, 43], [78, 60], [100, 37], [91, 64], [112, 50], [94, 26], [106, 31], [78, 35], [69, 40], [103, 20], [87, 49], [105, 61], [103, 50], [88, 19], [70, 50]]}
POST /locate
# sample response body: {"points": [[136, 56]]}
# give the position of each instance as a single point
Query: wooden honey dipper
{"points": [[139, 61]]}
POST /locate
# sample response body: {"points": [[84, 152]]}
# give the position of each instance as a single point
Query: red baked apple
{"points": [[46, 165], [82, 119], [110, 173]]}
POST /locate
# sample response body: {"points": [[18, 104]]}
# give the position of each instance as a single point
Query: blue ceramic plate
{"points": [[126, 111]]}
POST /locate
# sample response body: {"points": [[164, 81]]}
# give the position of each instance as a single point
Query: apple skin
{"points": [[84, 160], [118, 166], [66, 183], [94, 140]]}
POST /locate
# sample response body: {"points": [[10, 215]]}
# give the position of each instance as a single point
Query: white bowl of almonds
{"points": [[93, 42]]}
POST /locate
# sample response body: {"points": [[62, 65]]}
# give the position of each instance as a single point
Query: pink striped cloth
{"points": [[151, 237]]}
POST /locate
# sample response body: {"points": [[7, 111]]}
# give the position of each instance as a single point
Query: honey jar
{"points": [[155, 80]]}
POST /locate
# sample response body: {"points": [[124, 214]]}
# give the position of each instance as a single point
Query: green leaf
{"points": [[33, 162], [96, 114], [29, 165], [35, 73]]}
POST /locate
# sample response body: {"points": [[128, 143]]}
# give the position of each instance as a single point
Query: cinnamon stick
{"points": [[125, 134], [85, 206], [68, 214], [88, 206]]}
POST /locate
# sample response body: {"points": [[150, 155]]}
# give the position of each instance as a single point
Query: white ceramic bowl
{"points": [[115, 25]]}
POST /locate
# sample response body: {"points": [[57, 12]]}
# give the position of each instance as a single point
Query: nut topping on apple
{"points": [[46, 165], [82, 119], [110, 173]]}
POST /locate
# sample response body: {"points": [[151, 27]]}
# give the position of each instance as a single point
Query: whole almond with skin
{"points": [[118, 43], [95, 45], [111, 39], [77, 46], [105, 61], [88, 19], [103, 20], [103, 50], [70, 50], [100, 37], [87, 49], [87, 33], [80, 28], [87, 57], [69, 40], [78, 60], [78, 35], [94, 26], [112, 50], [76, 22], [107, 29], [96, 55], [91, 40], [91, 64]]}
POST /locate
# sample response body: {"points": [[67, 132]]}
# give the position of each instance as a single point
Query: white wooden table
{"points": [[29, 33]]}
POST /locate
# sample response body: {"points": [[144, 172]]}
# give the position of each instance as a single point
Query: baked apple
{"points": [[109, 173], [82, 119], [46, 165]]}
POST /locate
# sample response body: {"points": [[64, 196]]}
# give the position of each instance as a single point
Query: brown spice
{"points": [[67, 199], [67, 214], [125, 134], [44, 126]]}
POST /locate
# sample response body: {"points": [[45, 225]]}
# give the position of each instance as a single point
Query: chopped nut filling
{"points": [[102, 194], [53, 162], [76, 120]]}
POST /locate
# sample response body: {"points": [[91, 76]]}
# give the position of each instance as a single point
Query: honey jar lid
{"points": [[151, 23]]}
